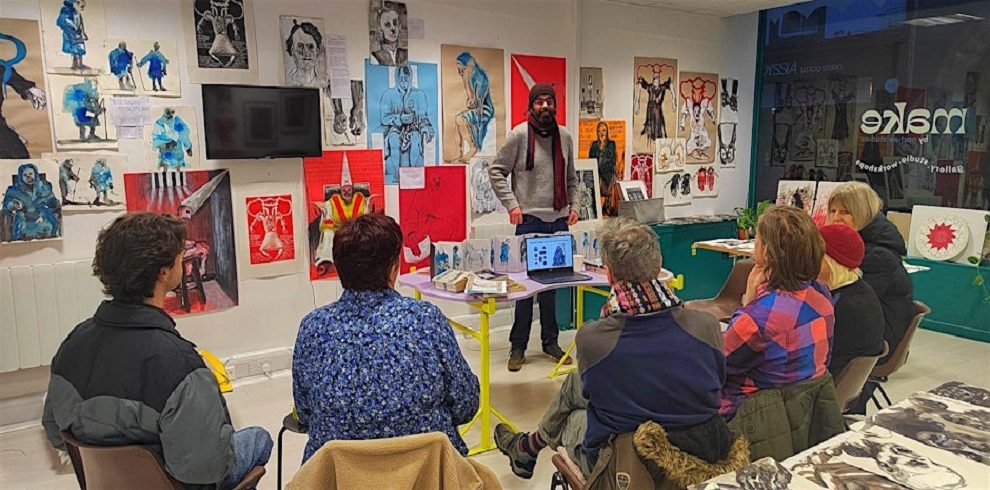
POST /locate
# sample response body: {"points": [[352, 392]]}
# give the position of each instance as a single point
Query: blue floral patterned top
{"points": [[375, 365]]}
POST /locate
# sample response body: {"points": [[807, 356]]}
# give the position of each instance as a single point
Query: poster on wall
{"points": [[344, 123], [266, 225], [79, 114], [696, 123], [435, 213], [592, 93], [654, 102], [304, 56], [797, 193], [605, 141], [527, 71], [388, 32], [671, 155], [402, 115], [141, 67], [90, 181], [827, 153], [676, 187], [30, 208], [75, 33], [839, 125], [340, 185], [729, 97], [473, 102], [589, 201], [209, 263], [705, 180], [483, 200], [641, 169], [25, 130], [171, 142], [809, 119], [220, 41]]}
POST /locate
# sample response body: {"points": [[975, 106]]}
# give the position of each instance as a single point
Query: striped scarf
{"points": [[638, 298]]}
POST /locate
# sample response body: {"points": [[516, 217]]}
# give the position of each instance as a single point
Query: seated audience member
{"points": [[647, 359], [783, 332], [858, 314], [374, 364], [126, 376]]}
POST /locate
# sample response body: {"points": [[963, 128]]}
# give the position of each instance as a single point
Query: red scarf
{"points": [[559, 181]]}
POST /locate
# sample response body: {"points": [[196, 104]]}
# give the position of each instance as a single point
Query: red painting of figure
{"points": [[269, 221]]}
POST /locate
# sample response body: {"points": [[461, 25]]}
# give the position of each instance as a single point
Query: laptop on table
{"points": [[549, 260]]}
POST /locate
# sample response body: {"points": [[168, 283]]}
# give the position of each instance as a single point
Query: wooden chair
{"points": [[899, 357], [568, 475], [289, 423], [850, 381], [729, 299], [130, 466], [193, 278]]}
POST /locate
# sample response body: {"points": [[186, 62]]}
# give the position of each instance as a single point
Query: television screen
{"points": [[242, 121]]}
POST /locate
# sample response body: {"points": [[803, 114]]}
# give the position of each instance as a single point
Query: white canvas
{"points": [[974, 219], [152, 72], [82, 185]]}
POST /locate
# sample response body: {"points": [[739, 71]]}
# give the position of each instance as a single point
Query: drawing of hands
{"points": [[38, 98]]}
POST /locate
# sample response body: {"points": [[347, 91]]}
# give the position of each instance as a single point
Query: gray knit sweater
{"points": [[533, 190]]}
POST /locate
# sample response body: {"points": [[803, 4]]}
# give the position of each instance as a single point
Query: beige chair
{"points": [[850, 381], [729, 299], [900, 355], [131, 466]]}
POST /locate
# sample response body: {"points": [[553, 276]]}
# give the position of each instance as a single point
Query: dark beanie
{"points": [[843, 244], [541, 89]]}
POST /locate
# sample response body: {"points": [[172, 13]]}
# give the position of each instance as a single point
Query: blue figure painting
{"points": [[157, 67], [441, 263], [503, 254], [472, 122], [73, 27], [101, 180], [83, 101], [559, 259], [170, 138], [122, 66], [30, 209]]}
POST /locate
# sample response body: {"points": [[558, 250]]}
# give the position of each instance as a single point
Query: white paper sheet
{"points": [[340, 74]]}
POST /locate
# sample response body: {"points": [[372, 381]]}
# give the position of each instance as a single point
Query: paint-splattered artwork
{"points": [[340, 185], [641, 169], [705, 180], [797, 193], [304, 57], [589, 202], [654, 102], [172, 140], [473, 102], [25, 130], [79, 114], [697, 121], [75, 32], [388, 32], [592, 93], [220, 41], [605, 141], [31, 210], [676, 188], [90, 181], [671, 155], [437, 212], [141, 67], [402, 115], [344, 123], [483, 200], [269, 225], [209, 262], [527, 71]]}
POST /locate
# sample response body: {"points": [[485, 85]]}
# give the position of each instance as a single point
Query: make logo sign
{"points": [[919, 121]]}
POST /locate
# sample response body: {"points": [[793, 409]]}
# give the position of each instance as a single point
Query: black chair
{"points": [[289, 423]]}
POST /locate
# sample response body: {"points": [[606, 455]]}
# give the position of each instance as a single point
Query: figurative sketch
{"points": [[220, 41], [797, 193], [654, 101], [437, 212], [589, 205], [171, 142], [269, 225], [762, 474], [780, 141], [698, 100], [641, 169], [209, 262], [676, 188], [605, 141], [827, 153], [90, 180], [444, 257], [823, 469], [822, 194], [25, 130], [782, 121], [592, 90], [473, 102], [526, 71], [727, 144], [79, 115], [587, 243], [706, 181], [948, 424], [143, 67], [340, 185], [344, 124], [304, 57], [508, 254], [671, 155], [845, 166], [809, 121], [75, 32], [402, 114], [729, 110], [841, 92], [633, 190], [478, 255], [31, 210], [964, 393], [483, 200], [388, 32]]}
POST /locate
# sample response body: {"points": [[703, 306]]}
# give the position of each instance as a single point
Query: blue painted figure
{"points": [[83, 101], [503, 254], [74, 37], [441, 263], [157, 67], [472, 123], [101, 180], [122, 65], [405, 123], [559, 259], [30, 209], [170, 138]]}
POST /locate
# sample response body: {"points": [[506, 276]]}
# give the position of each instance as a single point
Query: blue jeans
{"points": [[523, 323], [252, 447]]}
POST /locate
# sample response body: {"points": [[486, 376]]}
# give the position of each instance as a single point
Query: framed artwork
{"points": [[590, 202], [633, 190]]}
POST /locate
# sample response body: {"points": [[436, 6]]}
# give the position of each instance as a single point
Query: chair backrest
{"points": [[119, 466], [899, 357], [735, 285], [849, 383]]}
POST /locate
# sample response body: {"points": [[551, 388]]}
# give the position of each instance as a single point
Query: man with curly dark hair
{"points": [[126, 376]]}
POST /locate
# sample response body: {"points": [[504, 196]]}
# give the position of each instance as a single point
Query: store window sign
{"points": [[919, 121]]}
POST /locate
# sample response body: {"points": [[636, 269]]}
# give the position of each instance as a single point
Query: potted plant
{"points": [[746, 219]]}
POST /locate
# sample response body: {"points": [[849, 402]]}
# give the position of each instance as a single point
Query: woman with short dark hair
{"points": [[375, 364]]}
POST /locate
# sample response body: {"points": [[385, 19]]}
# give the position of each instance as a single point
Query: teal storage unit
{"points": [[958, 306]]}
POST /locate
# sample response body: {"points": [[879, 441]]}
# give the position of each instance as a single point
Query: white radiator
{"points": [[39, 306]]}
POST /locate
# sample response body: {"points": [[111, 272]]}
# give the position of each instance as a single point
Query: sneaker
{"points": [[522, 463], [554, 352], [517, 357]]}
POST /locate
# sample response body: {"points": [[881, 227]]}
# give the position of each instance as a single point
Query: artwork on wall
{"points": [[589, 197], [696, 123], [388, 32], [676, 188], [171, 142], [633, 190], [827, 153], [90, 180], [473, 102], [527, 71], [402, 115], [809, 119], [944, 233], [729, 98], [75, 32], [141, 67], [344, 118], [25, 130], [483, 200], [605, 141], [266, 224], [797, 193], [641, 169], [340, 185], [304, 56], [654, 101], [79, 114], [31, 210], [671, 155], [209, 262], [841, 93], [220, 41], [823, 193], [437, 212], [592, 93], [705, 180]]}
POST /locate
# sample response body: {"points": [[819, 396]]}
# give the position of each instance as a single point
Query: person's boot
{"points": [[517, 357], [507, 441], [554, 352]]}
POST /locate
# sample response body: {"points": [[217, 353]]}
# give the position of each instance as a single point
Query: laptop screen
{"points": [[546, 253]]}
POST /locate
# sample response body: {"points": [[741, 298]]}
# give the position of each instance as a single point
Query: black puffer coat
{"points": [[884, 272]]}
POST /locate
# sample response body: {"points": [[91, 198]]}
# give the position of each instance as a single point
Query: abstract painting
{"points": [[671, 155], [344, 123], [220, 41], [141, 67], [304, 56], [676, 188], [209, 262], [589, 202], [90, 181], [79, 114], [605, 141], [819, 212], [797, 193], [697, 121], [75, 32], [31, 210], [526, 71], [958, 427], [340, 185], [473, 102], [592, 93], [483, 200], [641, 169], [402, 115], [171, 142], [654, 101], [763, 474], [437, 212], [705, 180], [25, 130], [388, 31]]}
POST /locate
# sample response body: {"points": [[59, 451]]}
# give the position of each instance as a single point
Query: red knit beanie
{"points": [[843, 244]]}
